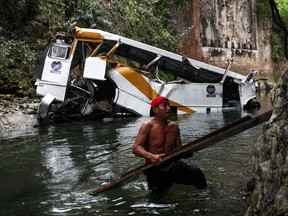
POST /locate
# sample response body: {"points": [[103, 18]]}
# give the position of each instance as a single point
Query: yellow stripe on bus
{"points": [[137, 80]]}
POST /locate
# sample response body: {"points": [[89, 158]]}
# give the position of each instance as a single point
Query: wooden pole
{"points": [[218, 135]]}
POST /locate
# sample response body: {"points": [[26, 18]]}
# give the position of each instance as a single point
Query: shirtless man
{"points": [[158, 137]]}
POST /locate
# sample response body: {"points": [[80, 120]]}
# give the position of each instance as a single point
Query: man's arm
{"points": [[178, 139], [178, 144]]}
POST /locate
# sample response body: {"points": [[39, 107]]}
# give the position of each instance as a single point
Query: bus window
{"points": [[60, 52]]}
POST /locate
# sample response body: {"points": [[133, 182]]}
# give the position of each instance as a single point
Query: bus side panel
{"points": [[205, 95], [54, 78]]}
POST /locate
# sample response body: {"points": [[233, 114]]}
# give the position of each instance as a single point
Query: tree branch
{"points": [[278, 21]]}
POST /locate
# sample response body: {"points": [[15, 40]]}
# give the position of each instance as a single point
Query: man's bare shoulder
{"points": [[148, 122], [147, 125], [173, 123]]}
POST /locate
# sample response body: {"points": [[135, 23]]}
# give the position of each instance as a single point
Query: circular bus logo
{"points": [[210, 89], [56, 65]]}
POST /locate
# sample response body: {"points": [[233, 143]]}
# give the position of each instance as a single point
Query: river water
{"points": [[49, 170]]}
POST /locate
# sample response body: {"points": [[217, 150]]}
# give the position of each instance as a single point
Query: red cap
{"points": [[155, 102]]}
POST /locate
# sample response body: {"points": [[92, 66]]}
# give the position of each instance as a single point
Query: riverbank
{"points": [[17, 113]]}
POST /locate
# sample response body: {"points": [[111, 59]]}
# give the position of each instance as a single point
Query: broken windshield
{"points": [[59, 51]]}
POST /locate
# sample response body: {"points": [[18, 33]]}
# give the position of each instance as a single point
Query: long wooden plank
{"points": [[214, 137]]}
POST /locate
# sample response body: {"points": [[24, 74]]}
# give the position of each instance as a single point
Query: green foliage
{"points": [[263, 8], [53, 11], [282, 6], [17, 61], [187, 32], [276, 37], [15, 14], [277, 48], [90, 14], [143, 20], [26, 88]]}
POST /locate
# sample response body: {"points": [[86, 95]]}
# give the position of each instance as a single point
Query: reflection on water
{"points": [[49, 171]]}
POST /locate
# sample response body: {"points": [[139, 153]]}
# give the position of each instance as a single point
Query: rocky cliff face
{"points": [[231, 29], [228, 29], [270, 159]]}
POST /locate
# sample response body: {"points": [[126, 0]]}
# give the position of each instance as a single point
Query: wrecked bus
{"points": [[89, 73]]}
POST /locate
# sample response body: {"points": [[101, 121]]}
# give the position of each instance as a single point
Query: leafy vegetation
{"points": [[280, 18], [282, 6], [17, 61], [277, 37]]}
